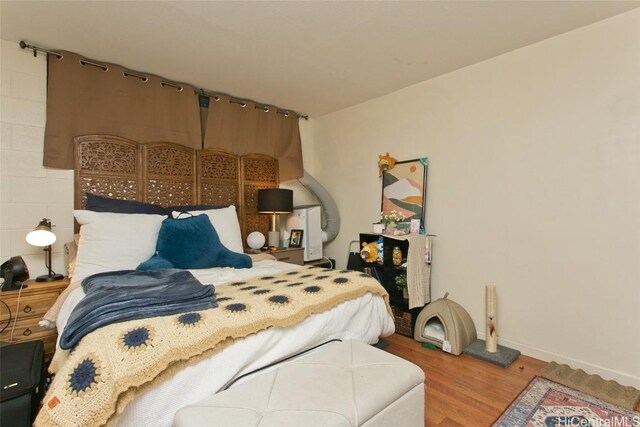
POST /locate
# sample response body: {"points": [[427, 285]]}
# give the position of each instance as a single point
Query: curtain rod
{"points": [[127, 73], [37, 49], [243, 103]]}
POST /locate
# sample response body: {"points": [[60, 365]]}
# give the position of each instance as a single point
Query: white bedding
{"points": [[365, 318]]}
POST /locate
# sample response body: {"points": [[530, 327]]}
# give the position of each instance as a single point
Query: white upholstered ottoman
{"points": [[345, 383]]}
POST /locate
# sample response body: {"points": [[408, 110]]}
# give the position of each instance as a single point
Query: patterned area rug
{"points": [[593, 385], [544, 403]]}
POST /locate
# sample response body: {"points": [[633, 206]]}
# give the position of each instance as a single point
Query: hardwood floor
{"points": [[461, 390]]}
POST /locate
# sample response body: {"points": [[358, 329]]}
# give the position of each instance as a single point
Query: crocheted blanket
{"points": [[110, 366]]}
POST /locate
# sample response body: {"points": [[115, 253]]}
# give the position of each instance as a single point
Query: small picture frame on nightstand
{"points": [[295, 240]]}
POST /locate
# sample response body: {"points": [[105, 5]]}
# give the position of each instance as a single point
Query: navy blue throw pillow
{"points": [[105, 204], [193, 243]]}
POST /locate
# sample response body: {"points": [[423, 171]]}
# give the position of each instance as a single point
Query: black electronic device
{"points": [[22, 377], [14, 272]]}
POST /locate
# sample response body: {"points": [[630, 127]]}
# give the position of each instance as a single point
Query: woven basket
{"points": [[403, 321]]}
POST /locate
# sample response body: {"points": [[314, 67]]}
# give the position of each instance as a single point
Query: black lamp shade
{"points": [[275, 200]]}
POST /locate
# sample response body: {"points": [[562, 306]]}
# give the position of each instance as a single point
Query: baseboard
{"points": [[606, 373]]}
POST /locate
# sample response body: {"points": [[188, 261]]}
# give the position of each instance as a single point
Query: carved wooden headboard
{"points": [[168, 174]]}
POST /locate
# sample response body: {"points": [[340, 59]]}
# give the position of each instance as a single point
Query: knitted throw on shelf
{"points": [[110, 366]]}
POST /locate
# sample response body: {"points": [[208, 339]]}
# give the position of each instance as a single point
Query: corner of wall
{"points": [[308, 148]]}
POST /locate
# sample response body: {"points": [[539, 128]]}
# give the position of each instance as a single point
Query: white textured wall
{"points": [[28, 191], [534, 186]]}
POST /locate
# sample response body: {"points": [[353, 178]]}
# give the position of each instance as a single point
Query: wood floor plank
{"points": [[461, 390]]}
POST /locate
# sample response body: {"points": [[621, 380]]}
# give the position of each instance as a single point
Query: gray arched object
{"points": [[457, 326], [331, 216]]}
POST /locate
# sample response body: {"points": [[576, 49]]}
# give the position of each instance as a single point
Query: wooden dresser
{"points": [[27, 308]]}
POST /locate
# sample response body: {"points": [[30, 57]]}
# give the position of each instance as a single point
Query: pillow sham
{"points": [[104, 204], [225, 222], [188, 208], [193, 243], [114, 241], [70, 253]]}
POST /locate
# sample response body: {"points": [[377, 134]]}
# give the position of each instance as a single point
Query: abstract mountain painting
{"points": [[403, 189]]}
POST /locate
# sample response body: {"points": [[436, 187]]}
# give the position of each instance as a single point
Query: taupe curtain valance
{"points": [[87, 99], [243, 127]]}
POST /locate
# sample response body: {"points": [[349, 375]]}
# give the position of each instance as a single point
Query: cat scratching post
{"points": [[490, 310], [489, 350]]}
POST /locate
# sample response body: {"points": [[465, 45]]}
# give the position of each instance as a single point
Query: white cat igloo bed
{"points": [[445, 324]]}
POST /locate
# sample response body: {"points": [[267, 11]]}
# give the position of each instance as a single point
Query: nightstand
{"points": [[290, 255], [35, 301]]}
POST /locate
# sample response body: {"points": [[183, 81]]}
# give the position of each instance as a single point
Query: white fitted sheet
{"points": [[365, 318]]}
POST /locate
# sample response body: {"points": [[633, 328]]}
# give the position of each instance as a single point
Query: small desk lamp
{"points": [[42, 236], [275, 201]]}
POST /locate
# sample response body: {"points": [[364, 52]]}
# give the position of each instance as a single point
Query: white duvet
{"points": [[365, 318]]}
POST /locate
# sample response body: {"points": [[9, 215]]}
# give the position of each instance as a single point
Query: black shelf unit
{"points": [[386, 274]]}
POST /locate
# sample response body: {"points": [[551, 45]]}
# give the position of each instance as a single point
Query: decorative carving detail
{"points": [[252, 220], [114, 188], [169, 193], [257, 222], [219, 166], [169, 161], [260, 169], [110, 166], [108, 157], [251, 196], [213, 193]]}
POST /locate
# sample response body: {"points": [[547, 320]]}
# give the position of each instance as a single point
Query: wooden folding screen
{"points": [[107, 166], [170, 175]]}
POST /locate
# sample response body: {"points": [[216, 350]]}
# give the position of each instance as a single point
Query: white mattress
{"points": [[365, 318]]}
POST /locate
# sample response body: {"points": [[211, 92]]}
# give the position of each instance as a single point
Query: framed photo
{"points": [[404, 189], [295, 240]]}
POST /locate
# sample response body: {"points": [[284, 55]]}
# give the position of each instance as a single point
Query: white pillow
{"points": [[225, 221], [114, 241]]}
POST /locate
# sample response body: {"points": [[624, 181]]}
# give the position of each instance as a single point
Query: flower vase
{"points": [[405, 294], [390, 229]]}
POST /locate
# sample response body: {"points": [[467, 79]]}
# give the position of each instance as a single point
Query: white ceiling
{"points": [[310, 56]]}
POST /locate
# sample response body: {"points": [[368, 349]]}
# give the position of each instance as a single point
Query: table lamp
{"points": [[42, 236], [275, 201], [255, 241]]}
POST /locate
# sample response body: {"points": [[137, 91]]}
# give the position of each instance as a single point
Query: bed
{"points": [[172, 175]]}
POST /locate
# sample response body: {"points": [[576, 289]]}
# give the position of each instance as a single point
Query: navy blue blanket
{"points": [[118, 296]]}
